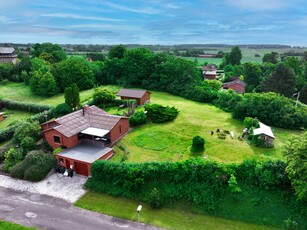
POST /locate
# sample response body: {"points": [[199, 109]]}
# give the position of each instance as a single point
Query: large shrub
{"points": [[198, 144], [27, 144], [12, 157], [159, 113], [62, 109], [103, 96], [138, 118], [34, 167], [27, 129]]}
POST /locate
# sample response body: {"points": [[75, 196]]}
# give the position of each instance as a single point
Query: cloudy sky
{"points": [[154, 21]]}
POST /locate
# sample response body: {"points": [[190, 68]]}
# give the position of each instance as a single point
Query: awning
{"points": [[95, 132]]}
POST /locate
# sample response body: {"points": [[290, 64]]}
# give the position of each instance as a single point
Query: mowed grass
{"points": [[5, 225], [171, 141], [175, 218], [13, 116]]}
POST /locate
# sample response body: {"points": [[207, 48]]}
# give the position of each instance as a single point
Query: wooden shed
{"points": [[141, 96]]}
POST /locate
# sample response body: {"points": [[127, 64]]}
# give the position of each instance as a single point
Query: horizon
{"points": [[154, 22]]}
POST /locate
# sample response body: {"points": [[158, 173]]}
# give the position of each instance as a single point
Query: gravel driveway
{"points": [[56, 185]]}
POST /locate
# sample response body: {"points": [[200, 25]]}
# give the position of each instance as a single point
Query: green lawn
{"points": [[171, 141], [166, 218], [13, 115], [4, 225]]}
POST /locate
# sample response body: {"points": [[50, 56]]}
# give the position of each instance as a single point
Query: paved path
{"points": [[46, 212]]}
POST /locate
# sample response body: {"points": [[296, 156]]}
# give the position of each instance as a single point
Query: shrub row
{"points": [[28, 107], [160, 114], [196, 181]]}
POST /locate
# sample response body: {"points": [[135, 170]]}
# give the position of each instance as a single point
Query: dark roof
{"points": [[75, 122], [133, 93], [237, 81], [6, 50]]}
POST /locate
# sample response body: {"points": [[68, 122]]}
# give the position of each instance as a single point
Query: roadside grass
{"points": [[5, 225], [171, 141], [13, 116], [175, 218]]}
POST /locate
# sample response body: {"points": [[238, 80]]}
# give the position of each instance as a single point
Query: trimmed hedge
{"points": [[29, 107], [34, 167], [138, 118], [160, 114], [201, 183]]}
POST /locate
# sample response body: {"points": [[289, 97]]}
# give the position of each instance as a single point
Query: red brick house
{"points": [[84, 135], [141, 96], [209, 71], [236, 85]]}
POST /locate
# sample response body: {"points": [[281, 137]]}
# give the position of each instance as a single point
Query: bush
{"points": [[27, 144], [27, 129], [160, 114], [154, 200], [3, 150], [103, 96], [12, 157], [28, 107], [138, 118], [62, 109], [198, 144], [57, 150], [35, 166], [250, 122]]}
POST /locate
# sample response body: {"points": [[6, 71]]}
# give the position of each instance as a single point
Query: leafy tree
{"points": [[233, 58], [281, 81], [74, 70], [62, 109], [250, 122], [295, 64], [43, 84], [47, 57], [12, 157], [198, 144], [117, 52], [296, 152], [97, 56], [27, 144], [27, 129], [57, 53], [252, 75], [72, 97], [271, 57], [103, 96]]}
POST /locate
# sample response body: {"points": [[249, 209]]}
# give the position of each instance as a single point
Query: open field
{"points": [[4, 225], [13, 115], [166, 218], [171, 141]]}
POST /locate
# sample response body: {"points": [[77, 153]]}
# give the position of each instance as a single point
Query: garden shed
{"points": [[141, 96], [265, 133]]}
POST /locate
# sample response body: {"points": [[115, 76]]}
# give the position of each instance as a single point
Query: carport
{"points": [[81, 157]]}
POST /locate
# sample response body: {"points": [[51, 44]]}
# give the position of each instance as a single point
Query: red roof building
{"points": [[236, 85], [141, 96], [84, 135], [7, 55]]}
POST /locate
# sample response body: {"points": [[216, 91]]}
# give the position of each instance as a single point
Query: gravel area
{"points": [[56, 185]]}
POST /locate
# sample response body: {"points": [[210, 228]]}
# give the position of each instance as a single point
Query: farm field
{"points": [[13, 115], [175, 218]]}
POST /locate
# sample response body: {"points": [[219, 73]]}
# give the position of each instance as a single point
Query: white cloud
{"points": [[260, 4], [146, 10], [5, 20], [76, 16]]}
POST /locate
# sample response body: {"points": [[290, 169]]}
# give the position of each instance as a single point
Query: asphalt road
{"points": [[46, 212]]}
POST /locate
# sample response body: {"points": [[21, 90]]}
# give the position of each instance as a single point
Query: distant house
{"points": [[209, 67], [265, 133], [85, 136], [7, 55], [209, 71], [141, 96], [237, 85], [206, 55]]}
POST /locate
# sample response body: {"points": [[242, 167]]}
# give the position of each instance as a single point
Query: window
{"points": [[56, 139], [120, 129], [61, 161]]}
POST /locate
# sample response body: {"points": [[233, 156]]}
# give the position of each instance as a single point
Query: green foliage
{"points": [[228, 100], [234, 57], [74, 70], [138, 118], [295, 152], [34, 167], [97, 56], [52, 50], [27, 129], [117, 52], [198, 144], [62, 109], [27, 144], [250, 122], [72, 96], [233, 184], [154, 199], [28, 107], [252, 75], [160, 114], [290, 224], [12, 157], [43, 84], [272, 57], [258, 142], [57, 150], [103, 96]]}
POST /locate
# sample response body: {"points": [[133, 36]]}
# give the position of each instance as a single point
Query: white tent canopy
{"points": [[95, 132]]}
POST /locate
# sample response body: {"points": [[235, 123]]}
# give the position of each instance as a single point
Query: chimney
{"points": [[85, 107]]}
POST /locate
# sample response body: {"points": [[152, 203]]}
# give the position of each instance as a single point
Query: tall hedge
{"points": [[28, 107]]}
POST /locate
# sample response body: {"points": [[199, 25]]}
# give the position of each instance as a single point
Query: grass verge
{"points": [[13, 116], [5, 225], [166, 218]]}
